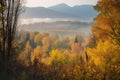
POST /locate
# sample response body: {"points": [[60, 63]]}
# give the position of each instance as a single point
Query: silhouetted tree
{"points": [[9, 13]]}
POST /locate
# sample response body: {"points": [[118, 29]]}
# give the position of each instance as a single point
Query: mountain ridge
{"points": [[84, 11], [60, 11]]}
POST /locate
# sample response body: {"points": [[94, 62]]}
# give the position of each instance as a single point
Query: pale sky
{"points": [[47, 3]]}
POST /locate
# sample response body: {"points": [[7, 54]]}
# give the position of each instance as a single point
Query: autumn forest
{"points": [[30, 55]]}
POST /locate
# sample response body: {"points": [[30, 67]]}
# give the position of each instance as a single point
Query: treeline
{"points": [[48, 57], [51, 49]]}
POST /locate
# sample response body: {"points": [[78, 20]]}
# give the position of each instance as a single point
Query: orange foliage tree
{"points": [[108, 20]]}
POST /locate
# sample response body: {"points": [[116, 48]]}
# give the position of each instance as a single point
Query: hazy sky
{"points": [[46, 3]]}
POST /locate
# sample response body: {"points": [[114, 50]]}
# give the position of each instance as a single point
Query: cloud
{"points": [[46, 3]]}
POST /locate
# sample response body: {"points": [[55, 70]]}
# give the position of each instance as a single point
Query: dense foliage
{"points": [[42, 56]]}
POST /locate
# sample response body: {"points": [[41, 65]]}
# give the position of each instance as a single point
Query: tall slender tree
{"points": [[9, 13]]}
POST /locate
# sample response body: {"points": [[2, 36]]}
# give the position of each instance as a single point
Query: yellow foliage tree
{"points": [[38, 39], [24, 57], [57, 57], [37, 54], [106, 56], [47, 43]]}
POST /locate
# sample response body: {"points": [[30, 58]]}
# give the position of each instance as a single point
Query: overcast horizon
{"points": [[48, 3]]}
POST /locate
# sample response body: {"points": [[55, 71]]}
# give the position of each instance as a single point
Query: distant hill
{"points": [[60, 11], [61, 28], [83, 11], [41, 12]]}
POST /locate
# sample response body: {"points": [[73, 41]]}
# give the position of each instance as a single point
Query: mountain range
{"points": [[60, 11]]}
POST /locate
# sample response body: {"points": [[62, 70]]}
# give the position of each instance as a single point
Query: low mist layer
{"points": [[61, 28]]}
